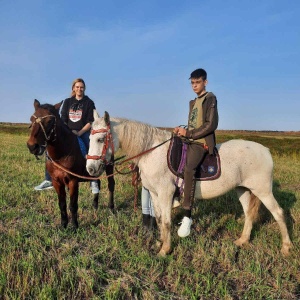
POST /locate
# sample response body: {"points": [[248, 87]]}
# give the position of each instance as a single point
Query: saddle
{"points": [[210, 168]]}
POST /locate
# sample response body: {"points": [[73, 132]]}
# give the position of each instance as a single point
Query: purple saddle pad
{"points": [[210, 168]]}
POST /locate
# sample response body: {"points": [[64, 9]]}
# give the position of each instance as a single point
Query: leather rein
{"points": [[107, 142]]}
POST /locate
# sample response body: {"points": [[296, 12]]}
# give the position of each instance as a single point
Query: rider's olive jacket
{"points": [[210, 122]]}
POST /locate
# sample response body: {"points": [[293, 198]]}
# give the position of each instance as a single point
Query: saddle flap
{"points": [[210, 168]]}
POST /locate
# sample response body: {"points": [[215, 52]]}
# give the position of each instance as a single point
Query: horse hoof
{"points": [[161, 253], [74, 227], [285, 250], [240, 242], [64, 225]]}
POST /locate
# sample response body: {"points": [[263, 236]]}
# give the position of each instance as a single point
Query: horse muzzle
{"points": [[36, 149], [95, 168]]}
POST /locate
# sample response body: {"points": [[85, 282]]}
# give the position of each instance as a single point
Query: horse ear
{"points": [[36, 103], [58, 105], [96, 115], [106, 118]]}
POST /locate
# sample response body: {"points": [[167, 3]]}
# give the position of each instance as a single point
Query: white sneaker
{"points": [[185, 227], [95, 187], [45, 185]]}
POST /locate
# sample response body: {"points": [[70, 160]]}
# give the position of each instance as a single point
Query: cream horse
{"points": [[246, 167]]}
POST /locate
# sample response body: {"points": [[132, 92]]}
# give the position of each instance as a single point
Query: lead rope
{"points": [[77, 175], [142, 153], [135, 181], [118, 172]]}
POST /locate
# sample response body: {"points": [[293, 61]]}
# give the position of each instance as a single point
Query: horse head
{"points": [[101, 145], [43, 127]]}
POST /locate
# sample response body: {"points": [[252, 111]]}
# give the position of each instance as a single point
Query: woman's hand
{"points": [[75, 132]]}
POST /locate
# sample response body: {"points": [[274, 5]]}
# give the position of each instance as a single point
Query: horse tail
{"points": [[254, 206]]}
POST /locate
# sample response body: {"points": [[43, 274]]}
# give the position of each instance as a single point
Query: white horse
{"points": [[246, 167]]}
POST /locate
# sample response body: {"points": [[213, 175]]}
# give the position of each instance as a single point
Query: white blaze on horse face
{"points": [[100, 150], [95, 166]]}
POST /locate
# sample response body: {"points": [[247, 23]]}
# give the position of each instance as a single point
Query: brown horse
{"points": [[65, 158]]}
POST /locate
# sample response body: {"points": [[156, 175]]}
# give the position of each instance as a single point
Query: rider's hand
{"points": [[179, 131], [175, 130]]}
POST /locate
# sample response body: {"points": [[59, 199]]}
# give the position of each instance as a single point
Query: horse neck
{"points": [[135, 137], [65, 143]]}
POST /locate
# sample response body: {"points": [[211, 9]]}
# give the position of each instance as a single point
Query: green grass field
{"points": [[110, 258]]}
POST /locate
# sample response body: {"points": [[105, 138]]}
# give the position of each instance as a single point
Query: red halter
{"points": [[108, 142]]}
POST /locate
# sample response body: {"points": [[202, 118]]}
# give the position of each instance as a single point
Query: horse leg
{"points": [[163, 218], [272, 205], [96, 196], [250, 205], [73, 189], [111, 186], [61, 192]]}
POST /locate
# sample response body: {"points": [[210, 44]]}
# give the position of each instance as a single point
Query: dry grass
{"points": [[110, 258]]}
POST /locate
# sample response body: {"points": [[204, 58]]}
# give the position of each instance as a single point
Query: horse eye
{"points": [[30, 126], [101, 140]]}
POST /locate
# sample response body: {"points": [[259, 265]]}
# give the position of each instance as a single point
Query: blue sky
{"points": [[136, 58]]}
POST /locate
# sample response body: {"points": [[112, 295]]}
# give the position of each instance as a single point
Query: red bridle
{"points": [[108, 142]]}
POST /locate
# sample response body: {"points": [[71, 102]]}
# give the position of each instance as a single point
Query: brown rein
{"points": [[77, 175], [118, 172], [142, 153]]}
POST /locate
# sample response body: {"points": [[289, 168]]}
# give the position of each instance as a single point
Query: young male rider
{"points": [[202, 123]]}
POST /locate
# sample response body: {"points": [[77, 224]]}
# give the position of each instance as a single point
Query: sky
{"points": [[136, 58]]}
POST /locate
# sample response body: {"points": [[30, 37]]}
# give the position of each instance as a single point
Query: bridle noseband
{"points": [[108, 142], [38, 120]]}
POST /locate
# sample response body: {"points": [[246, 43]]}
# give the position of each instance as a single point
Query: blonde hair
{"points": [[73, 84]]}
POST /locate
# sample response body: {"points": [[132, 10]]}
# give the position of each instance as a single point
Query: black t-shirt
{"points": [[77, 113]]}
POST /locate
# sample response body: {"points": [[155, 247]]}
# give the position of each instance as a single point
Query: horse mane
{"points": [[65, 129], [136, 137], [51, 108]]}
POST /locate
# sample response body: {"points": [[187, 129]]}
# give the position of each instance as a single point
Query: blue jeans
{"points": [[47, 175], [86, 139], [147, 206]]}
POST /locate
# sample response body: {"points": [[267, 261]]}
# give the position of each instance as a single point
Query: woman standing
{"points": [[149, 220]]}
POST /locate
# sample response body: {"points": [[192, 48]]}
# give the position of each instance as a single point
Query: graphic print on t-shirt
{"points": [[75, 112], [193, 118]]}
